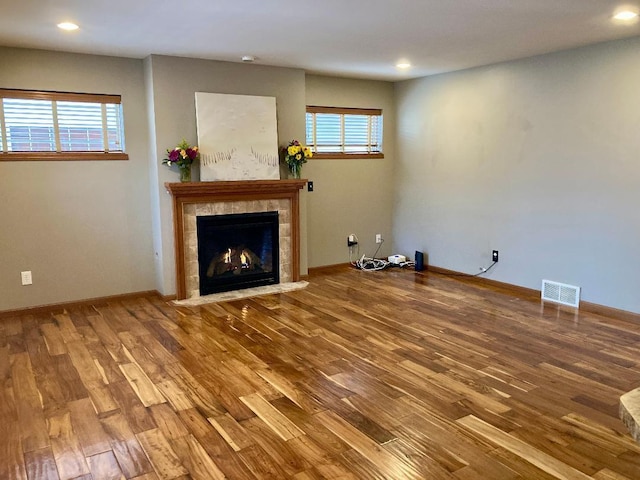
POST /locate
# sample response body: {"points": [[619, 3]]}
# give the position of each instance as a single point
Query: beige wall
{"points": [[538, 158], [350, 196], [174, 82], [82, 228]]}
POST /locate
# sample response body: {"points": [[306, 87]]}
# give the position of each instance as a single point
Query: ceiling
{"points": [[352, 38]]}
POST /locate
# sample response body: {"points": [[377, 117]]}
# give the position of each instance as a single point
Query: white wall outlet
{"points": [[378, 238], [26, 277]]}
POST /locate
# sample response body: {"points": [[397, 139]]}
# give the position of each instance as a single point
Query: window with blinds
{"points": [[60, 126], [334, 132]]}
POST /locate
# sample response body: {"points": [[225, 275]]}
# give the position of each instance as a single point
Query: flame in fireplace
{"points": [[234, 260], [244, 257]]}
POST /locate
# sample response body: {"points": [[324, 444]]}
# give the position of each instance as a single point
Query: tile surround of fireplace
{"points": [[191, 200]]}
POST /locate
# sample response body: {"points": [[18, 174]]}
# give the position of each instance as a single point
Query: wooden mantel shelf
{"points": [[232, 191], [239, 188]]}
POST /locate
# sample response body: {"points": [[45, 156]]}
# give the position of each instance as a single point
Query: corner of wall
{"points": [[154, 179]]}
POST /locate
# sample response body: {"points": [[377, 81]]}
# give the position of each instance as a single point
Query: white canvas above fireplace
{"points": [[237, 136]]}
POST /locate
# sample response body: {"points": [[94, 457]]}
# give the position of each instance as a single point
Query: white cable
{"points": [[407, 264], [368, 264], [357, 245], [371, 264]]}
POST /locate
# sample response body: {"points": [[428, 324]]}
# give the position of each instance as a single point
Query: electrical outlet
{"points": [[378, 238], [26, 278], [351, 240], [494, 256]]}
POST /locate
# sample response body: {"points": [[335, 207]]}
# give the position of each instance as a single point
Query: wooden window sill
{"points": [[62, 156]]}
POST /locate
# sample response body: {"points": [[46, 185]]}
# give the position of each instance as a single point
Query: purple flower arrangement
{"points": [[182, 155]]}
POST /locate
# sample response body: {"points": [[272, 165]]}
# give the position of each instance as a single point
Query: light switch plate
{"points": [[26, 277]]}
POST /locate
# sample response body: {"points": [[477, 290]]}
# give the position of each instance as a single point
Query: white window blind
{"points": [[115, 134], [344, 132], [53, 125], [80, 126], [28, 125]]}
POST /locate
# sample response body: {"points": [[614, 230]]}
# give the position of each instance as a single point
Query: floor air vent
{"points": [[560, 293]]}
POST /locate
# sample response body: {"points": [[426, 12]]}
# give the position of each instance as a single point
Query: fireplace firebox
{"points": [[237, 251]]}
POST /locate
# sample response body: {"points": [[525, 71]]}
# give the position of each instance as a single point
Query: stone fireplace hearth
{"points": [[191, 200]]}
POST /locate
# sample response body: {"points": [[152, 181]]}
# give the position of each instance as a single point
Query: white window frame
{"points": [[52, 99], [340, 150]]}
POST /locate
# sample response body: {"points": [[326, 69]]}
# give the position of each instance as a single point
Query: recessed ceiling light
{"points": [[626, 15], [248, 58], [403, 65], [68, 26]]}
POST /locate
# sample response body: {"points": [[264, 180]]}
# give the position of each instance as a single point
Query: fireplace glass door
{"points": [[237, 251]]}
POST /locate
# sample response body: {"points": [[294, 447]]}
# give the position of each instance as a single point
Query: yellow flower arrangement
{"points": [[295, 155]]}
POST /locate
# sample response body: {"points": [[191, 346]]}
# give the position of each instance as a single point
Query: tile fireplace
{"points": [[197, 200]]}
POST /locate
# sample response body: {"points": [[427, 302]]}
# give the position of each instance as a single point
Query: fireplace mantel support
{"points": [[184, 194]]}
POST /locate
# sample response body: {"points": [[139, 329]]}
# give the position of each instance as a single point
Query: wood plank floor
{"points": [[387, 375]]}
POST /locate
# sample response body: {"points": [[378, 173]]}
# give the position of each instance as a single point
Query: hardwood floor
{"points": [[361, 375]]}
